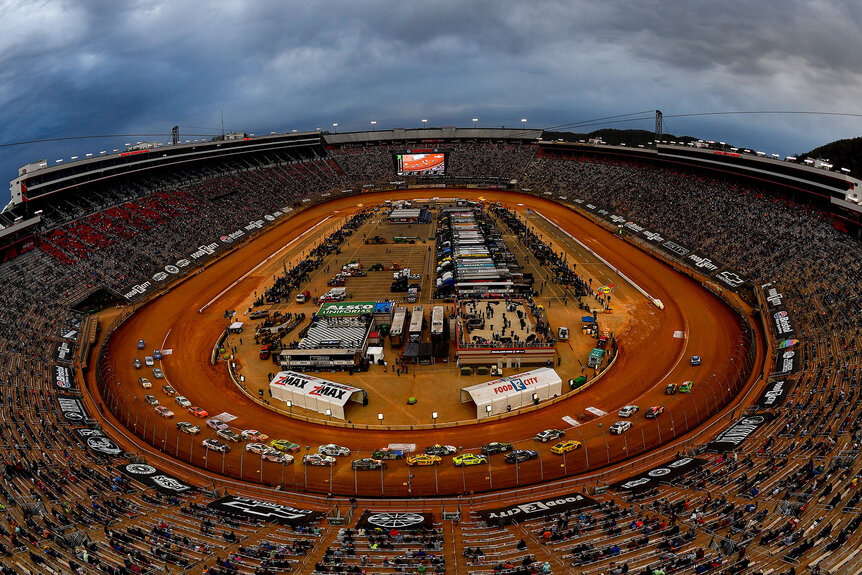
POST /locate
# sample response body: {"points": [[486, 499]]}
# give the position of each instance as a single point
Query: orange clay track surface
{"points": [[426, 162], [650, 357]]}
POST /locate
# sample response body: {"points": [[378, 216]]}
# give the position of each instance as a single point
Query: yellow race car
{"points": [[565, 446], [424, 459]]}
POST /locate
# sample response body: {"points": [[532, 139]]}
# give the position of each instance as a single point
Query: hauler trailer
{"points": [[595, 359], [437, 322], [397, 332], [417, 316]]}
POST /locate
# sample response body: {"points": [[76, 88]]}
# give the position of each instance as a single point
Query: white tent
{"points": [[514, 391], [375, 353], [314, 393]]}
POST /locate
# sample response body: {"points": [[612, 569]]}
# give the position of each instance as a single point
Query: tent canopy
{"points": [[237, 325], [513, 391], [314, 393]]}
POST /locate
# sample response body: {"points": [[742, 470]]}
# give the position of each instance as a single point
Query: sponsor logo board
{"points": [[253, 509], [158, 480], [666, 473], [733, 436], [535, 509]]}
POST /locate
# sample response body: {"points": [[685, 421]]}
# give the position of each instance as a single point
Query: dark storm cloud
{"points": [[70, 68]]}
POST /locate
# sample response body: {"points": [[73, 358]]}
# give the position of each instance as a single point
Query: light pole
{"points": [[434, 418], [380, 418], [289, 405], [335, 127], [524, 123], [305, 465], [373, 124], [475, 122], [329, 414], [487, 411], [607, 445], [424, 123], [463, 474], [586, 448]]}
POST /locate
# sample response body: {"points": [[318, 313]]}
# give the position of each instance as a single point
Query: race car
{"points": [[332, 449], [549, 435], [620, 427], [695, 360], [496, 447], [685, 387], [198, 411], [151, 399], [257, 448], [164, 411], [137, 363], [318, 459], [148, 361], [424, 459], [277, 456], [216, 424], [466, 459], [670, 389], [141, 344], [157, 373], [654, 411], [145, 383], [215, 445], [628, 411], [565, 446], [367, 464], [441, 450], [229, 435], [157, 354], [168, 390], [386, 453], [254, 435], [284, 445], [189, 428], [182, 401], [521, 455]]}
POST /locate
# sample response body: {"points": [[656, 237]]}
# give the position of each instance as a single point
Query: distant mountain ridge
{"points": [[846, 153]]}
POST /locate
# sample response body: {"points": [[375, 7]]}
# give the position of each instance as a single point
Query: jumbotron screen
{"points": [[420, 164]]}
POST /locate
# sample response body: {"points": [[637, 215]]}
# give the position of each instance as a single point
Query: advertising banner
{"points": [[666, 473], [72, 409], [787, 361], [158, 480], [399, 520], [774, 299], [774, 394], [347, 309], [674, 248], [253, 510], [534, 509], [733, 436], [782, 324], [99, 443], [64, 352], [702, 263], [64, 377]]}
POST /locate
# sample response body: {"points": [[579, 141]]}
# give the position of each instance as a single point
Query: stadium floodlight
{"points": [[524, 122], [488, 410], [329, 414], [373, 124], [58, 161], [335, 127], [475, 121], [294, 131], [380, 418], [103, 152], [424, 123], [434, 417], [37, 212]]}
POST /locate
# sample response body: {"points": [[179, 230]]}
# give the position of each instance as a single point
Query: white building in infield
{"points": [[513, 392], [313, 393]]}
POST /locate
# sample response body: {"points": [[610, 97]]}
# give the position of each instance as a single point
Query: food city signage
{"points": [[253, 509], [535, 509], [158, 480], [664, 473], [773, 394], [733, 436]]}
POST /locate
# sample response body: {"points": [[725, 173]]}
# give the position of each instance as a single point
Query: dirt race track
{"points": [[650, 357]]}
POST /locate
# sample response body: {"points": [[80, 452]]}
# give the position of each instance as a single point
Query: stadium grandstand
{"points": [[773, 490]]}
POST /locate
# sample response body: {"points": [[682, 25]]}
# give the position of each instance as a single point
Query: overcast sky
{"points": [[89, 67]]}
